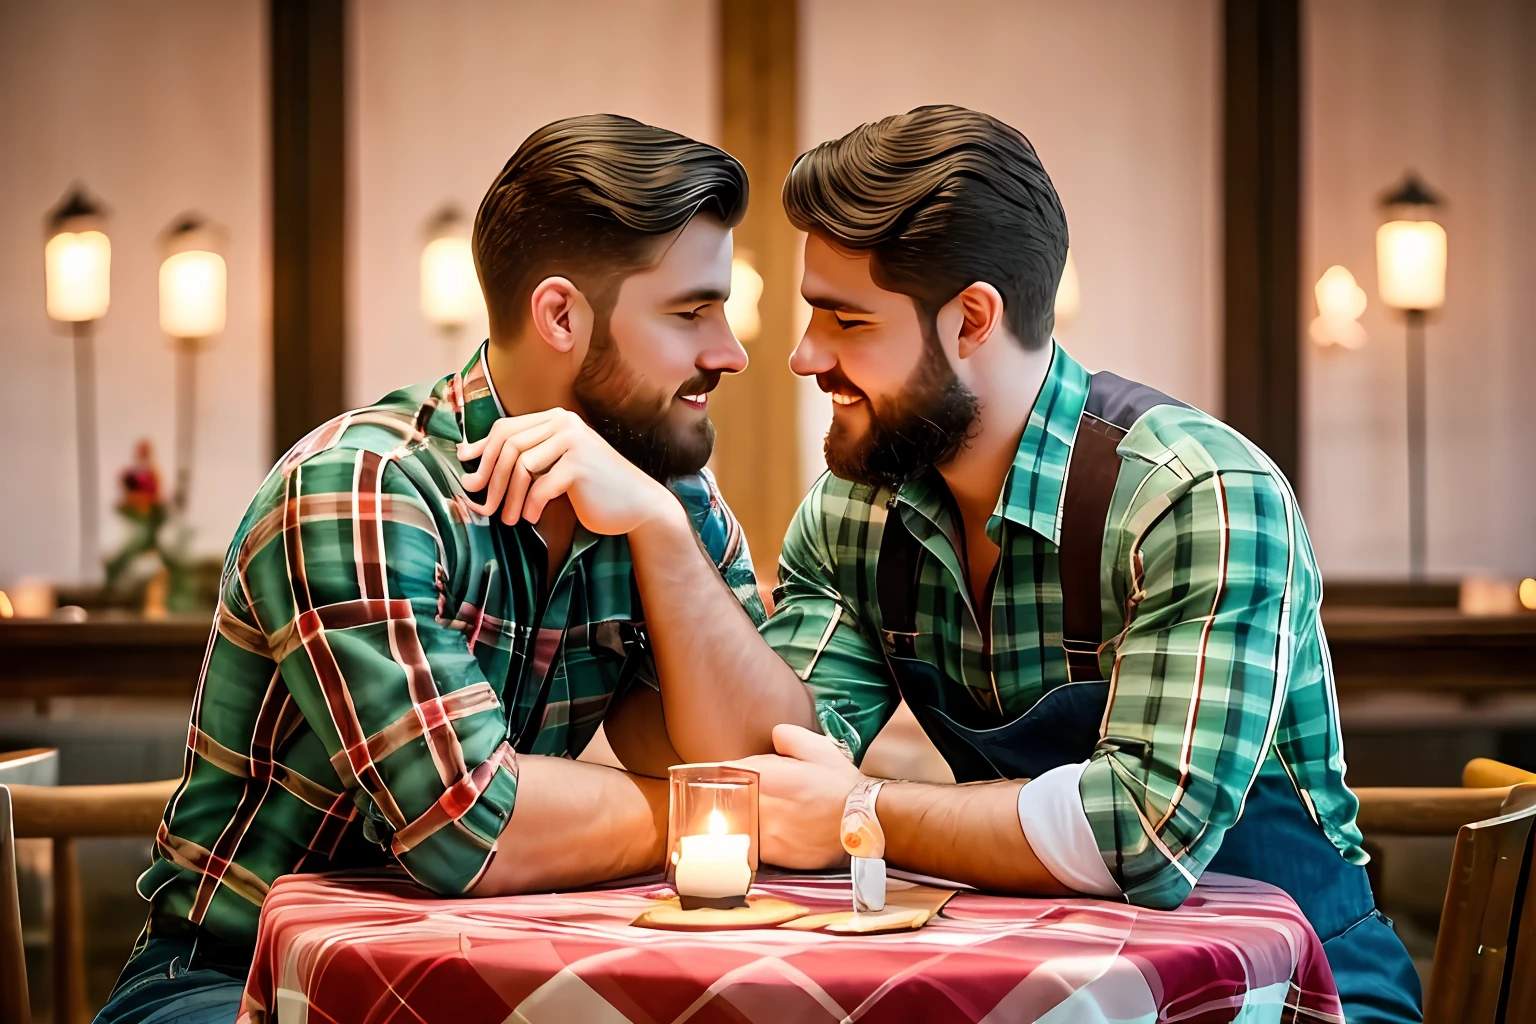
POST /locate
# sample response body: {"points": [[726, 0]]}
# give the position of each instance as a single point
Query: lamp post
{"points": [[77, 266], [194, 287], [450, 288], [1410, 274]]}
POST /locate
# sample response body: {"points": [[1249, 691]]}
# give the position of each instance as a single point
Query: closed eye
{"points": [[848, 324], [693, 314]]}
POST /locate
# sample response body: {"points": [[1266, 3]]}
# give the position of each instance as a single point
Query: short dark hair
{"points": [[941, 197], [588, 196]]}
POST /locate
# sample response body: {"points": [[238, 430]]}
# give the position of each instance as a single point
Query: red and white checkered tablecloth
{"points": [[375, 948]]}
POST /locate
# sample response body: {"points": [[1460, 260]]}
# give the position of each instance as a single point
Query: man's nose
{"points": [[724, 353], [810, 358]]}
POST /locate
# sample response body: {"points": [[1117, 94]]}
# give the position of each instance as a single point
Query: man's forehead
{"points": [[836, 279]]}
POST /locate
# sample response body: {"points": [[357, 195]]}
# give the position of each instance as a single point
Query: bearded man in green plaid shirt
{"points": [[1100, 604], [402, 663]]}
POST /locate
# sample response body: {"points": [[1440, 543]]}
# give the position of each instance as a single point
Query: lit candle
{"points": [[714, 865]]}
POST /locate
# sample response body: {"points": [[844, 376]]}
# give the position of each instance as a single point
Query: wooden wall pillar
{"points": [[1262, 260], [307, 49], [756, 456]]}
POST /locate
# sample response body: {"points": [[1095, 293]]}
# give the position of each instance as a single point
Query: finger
{"points": [[496, 488], [504, 442], [804, 745], [507, 426], [490, 454], [546, 489], [538, 458], [517, 494]]}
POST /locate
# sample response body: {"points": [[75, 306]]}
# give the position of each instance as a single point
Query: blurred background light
{"points": [[741, 308], [450, 289], [79, 275], [1340, 301], [1068, 295], [193, 289]]}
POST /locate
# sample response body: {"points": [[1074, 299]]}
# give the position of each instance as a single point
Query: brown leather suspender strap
{"points": [[1091, 474]]}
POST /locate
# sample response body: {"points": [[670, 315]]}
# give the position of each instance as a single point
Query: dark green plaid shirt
{"points": [[1212, 641], [380, 655]]}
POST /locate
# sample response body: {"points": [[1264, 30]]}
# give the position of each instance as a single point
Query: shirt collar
{"points": [[1035, 485], [478, 399]]}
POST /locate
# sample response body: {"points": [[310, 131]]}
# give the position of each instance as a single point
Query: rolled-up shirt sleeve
{"points": [[1199, 677], [816, 631], [351, 598]]}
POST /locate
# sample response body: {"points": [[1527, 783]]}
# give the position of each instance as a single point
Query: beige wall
{"points": [[1120, 99], [442, 95], [159, 108], [1447, 87]]}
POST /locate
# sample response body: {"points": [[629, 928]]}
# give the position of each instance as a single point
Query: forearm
{"points": [[575, 824], [723, 687], [970, 834]]}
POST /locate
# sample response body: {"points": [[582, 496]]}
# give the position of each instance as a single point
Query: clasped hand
{"points": [[801, 793], [528, 461]]}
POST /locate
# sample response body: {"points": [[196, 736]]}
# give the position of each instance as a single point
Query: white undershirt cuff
{"points": [[1052, 816]]}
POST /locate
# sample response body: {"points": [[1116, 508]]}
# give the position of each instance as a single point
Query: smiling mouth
{"points": [[844, 398], [694, 401]]}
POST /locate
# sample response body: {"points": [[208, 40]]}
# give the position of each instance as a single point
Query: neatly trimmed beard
{"points": [[925, 425], [633, 420]]}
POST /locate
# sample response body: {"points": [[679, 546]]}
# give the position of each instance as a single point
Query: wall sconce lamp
{"points": [[741, 310], [1068, 295], [194, 289], [1410, 276], [77, 267], [450, 288], [1340, 301]]}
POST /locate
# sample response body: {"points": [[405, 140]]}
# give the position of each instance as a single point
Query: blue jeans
{"points": [[158, 986]]}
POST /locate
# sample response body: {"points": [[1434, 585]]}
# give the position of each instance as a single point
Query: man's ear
{"points": [[561, 314], [981, 316]]}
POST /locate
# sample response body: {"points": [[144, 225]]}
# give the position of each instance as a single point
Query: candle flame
{"points": [[717, 823]]}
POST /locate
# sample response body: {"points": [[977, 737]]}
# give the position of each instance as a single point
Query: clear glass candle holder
{"points": [[712, 835]]}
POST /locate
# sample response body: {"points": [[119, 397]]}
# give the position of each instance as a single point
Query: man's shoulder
{"points": [[413, 429], [716, 524], [1198, 442], [397, 425]]}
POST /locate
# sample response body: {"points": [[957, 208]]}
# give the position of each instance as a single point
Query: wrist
{"points": [[664, 518]]}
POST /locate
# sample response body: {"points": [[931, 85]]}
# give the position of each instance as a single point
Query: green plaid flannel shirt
{"points": [[1211, 636], [381, 653]]}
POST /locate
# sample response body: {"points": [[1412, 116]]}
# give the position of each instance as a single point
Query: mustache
{"points": [[701, 383], [835, 380]]}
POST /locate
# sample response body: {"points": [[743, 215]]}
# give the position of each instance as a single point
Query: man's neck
{"points": [[528, 376], [1006, 383]]}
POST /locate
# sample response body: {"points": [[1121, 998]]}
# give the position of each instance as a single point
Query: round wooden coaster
{"points": [[760, 912]]}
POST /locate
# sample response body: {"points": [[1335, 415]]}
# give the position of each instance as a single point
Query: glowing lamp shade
{"points": [[741, 308], [193, 289], [1410, 264], [1068, 295], [1340, 301], [78, 268], [450, 291]]}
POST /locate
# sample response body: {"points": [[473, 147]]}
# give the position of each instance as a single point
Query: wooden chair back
{"points": [[33, 806], [1485, 956], [37, 766]]}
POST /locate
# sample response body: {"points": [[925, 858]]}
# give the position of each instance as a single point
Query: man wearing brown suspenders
{"points": [[1101, 604]]}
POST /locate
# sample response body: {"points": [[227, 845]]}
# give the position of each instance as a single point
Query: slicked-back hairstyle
{"points": [[588, 198], [941, 197]]}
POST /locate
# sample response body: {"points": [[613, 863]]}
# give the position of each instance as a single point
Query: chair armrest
{"points": [[1429, 811], [127, 809]]}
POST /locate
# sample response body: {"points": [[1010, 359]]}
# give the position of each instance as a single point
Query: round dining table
{"points": [[374, 948]]}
